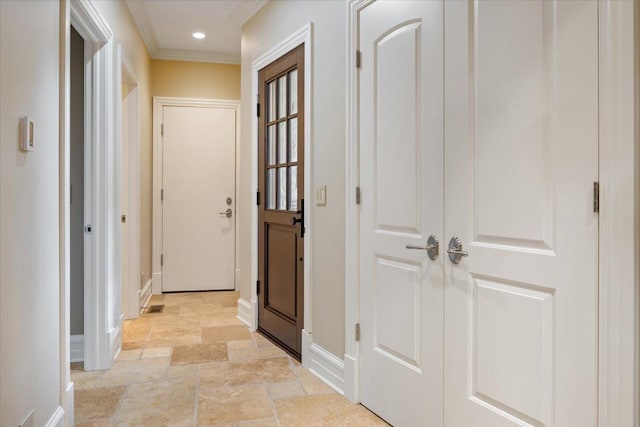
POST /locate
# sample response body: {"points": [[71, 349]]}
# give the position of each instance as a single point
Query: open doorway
{"points": [[76, 194], [134, 294]]}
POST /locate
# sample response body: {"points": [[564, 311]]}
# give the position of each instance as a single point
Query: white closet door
{"points": [[401, 149], [521, 138]]}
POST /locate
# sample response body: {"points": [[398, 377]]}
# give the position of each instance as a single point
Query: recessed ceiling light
{"points": [[198, 35]]}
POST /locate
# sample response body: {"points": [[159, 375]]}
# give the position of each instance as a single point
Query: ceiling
{"points": [[167, 27]]}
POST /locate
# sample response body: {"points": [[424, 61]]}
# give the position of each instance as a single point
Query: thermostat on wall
{"points": [[27, 141]]}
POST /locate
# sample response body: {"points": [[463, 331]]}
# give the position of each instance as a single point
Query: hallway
{"points": [[196, 364]]}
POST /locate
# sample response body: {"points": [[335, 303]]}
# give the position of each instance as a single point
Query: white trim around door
{"points": [[101, 189], [619, 239], [248, 310], [158, 104]]}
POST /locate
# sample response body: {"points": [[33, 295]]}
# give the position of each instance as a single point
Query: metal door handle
{"points": [[455, 250], [432, 247], [228, 213]]}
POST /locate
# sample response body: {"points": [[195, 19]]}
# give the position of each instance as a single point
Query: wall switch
{"points": [[27, 141], [321, 195], [28, 421]]}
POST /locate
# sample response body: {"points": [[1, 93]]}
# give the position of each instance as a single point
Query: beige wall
{"points": [[275, 22], [126, 33], [195, 79], [29, 245]]}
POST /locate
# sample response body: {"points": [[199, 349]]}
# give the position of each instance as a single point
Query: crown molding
{"points": [[196, 56], [140, 17], [245, 11]]}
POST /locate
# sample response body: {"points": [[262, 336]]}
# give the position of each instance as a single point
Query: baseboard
{"points": [[115, 338], [57, 419], [67, 403], [145, 295], [246, 313], [327, 367], [351, 379], [307, 340], [76, 345]]}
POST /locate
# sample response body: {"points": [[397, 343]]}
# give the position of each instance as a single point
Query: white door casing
{"points": [[198, 243], [401, 157], [521, 150]]}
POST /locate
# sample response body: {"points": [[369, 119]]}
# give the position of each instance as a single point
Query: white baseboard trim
{"points": [[246, 313], [351, 379], [57, 419], [115, 338], [145, 295], [67, 403], [327, 367], [76, 346], [156, 280], [307, 340]]}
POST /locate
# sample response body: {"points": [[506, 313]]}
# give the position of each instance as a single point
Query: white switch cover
{"points": [[321, 195]]}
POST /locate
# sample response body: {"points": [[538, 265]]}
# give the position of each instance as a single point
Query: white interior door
{"points": [[401, 151], [198, 240], [521, 126]]}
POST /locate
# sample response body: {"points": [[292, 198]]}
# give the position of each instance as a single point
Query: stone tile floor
{"points": [[197, 364]]}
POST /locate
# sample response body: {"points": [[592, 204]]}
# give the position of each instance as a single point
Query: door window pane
{"points": [[282, 142], [282, 96], [293, 92], [271, 188], [282, 188], [293, 140], [293, 188], [271, 145], [271, 101]]}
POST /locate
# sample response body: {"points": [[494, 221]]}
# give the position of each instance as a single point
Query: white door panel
{"points": [[401, 166], [198, 176], [521, 144]]}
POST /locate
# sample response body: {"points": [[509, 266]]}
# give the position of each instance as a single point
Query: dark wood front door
{"points": [[281, 204]]}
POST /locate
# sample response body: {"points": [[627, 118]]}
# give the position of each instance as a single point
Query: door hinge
{"points": [[258, 198], [358, 59], [161, 260], [258, 287], [596, 197], [162, 195], [357, 195], [357, 331], [162, 129], [258, 109]]}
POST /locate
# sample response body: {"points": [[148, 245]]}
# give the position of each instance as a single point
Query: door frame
{"points": [[248, 310], [159, 102], [129, 139], [619, 249], [102, 324]]}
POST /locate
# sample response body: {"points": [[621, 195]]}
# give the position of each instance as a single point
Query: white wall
{"points": [[29, 250], [273, 23]]}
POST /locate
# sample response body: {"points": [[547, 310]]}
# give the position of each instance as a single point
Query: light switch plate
{"points": [[321, 195]]}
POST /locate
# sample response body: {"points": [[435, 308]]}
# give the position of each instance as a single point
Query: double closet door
{"points": [[478, 136]]}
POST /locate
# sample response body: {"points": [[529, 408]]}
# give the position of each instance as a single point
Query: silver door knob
{"points": [[432, 247], [228, 213], [455, 250]]}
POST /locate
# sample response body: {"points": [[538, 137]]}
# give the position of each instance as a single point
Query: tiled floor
{"points": [[196, 364]]}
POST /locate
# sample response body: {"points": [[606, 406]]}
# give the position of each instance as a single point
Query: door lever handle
{"points": [[227, 213], [455, 250], [432, 247]]}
